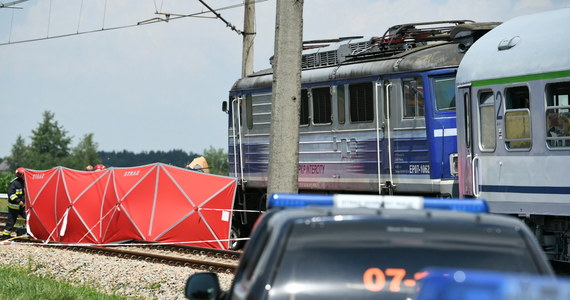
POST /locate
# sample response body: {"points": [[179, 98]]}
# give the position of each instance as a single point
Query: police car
{"points": [[370, 247]]}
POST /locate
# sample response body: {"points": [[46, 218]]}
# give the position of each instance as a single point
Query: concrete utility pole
{"points": [[248, 35], [286, 98]]}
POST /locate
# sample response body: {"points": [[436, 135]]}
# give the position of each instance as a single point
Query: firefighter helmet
{"points": [[100, 167], [20, 172]]}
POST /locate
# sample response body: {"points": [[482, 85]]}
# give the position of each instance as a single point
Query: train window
{"points": [[487, 120], [361, 102], [558, 114], [341, 106], [236, 111], [413, 98], [322, 107], [304, 117], [444, 89], [249, 111], [517, 118]]}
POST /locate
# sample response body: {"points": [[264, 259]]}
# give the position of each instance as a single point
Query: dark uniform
{"points": [[16, 202]]}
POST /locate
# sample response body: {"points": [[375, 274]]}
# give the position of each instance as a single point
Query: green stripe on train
{"points": [[523, 78]]}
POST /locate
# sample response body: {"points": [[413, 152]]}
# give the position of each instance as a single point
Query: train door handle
{"points": [[474, 172]]}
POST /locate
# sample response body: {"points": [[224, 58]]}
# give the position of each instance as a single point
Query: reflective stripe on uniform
{"points": [[15, 206], [13, 196]]}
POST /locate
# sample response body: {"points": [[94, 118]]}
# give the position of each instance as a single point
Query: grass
{"points": [[20, 284], [17, 283]]}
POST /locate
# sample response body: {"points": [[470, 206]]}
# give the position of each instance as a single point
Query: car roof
{"points": [[279, 216]]}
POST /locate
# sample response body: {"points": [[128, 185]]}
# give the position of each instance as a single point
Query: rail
{"points": [[220, 261]]}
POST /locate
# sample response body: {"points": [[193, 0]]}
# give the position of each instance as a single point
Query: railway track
{"points": [[214, 260], [205, 259]]}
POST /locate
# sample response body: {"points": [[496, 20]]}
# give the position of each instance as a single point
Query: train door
{"points": [[236, 133], [381, 140], [467, 186], [387, 108]]}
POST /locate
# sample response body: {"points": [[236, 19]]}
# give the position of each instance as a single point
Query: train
{"points": [[513, 124], [444, 109], [377, 116]]}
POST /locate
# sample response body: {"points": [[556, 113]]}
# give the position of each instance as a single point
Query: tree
{"points": [[175, 157], [50, 147], [217, 160], [50, 144], [85, 153], [20, 154]]}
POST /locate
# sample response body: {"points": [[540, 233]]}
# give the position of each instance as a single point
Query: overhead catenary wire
{"points": [[156, 10], [219, 16], [79, 18], [11, 26], [152, 21], [49, 18], [104, 15]]}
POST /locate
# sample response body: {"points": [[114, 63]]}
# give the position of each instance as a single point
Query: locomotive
{"points": [[377, 116]]}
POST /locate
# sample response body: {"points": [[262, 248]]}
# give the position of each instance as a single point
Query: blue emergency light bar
{"points": [[443, 284], [376, 202]]}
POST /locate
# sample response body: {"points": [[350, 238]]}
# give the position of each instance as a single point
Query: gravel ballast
{"points": [[110, 275]]}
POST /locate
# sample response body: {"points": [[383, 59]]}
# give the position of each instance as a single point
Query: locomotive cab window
{"points": [[235, 112], [230, 111], [322, 106], [517, 119], [304, 117], [361, 102], [444, 91], [558, 114], [413, 99], [487, 120]]}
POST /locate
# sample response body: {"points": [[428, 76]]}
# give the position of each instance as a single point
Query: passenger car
{"points": [[369, 247]]}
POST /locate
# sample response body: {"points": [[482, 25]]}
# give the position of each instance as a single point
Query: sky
{"points": [[160, 86]]}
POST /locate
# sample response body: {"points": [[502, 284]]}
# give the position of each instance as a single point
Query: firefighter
{"points": [[16, 202]]}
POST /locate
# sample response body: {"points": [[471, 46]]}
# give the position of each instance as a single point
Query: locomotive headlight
{"points": [[453, 164]]}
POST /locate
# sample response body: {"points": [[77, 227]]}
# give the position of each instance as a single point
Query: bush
{"points": [[5, 179]]}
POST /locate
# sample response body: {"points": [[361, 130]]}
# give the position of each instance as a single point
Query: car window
{"points": [[369, 259]]}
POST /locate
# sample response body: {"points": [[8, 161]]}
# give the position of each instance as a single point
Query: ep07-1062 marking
{"points": [[374, 279]]}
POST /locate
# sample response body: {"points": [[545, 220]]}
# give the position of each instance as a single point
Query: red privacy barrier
{"points": [[156, 203]]}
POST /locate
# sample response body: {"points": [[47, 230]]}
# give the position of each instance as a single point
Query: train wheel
{"points": [[235, 243]]}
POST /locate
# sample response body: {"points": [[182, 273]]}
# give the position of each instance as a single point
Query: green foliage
{"points": [[22, 284], [20, 154], [50, 148], [85, 153], [126, 158], [50, 139], [217, 160], [5, 179]]}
